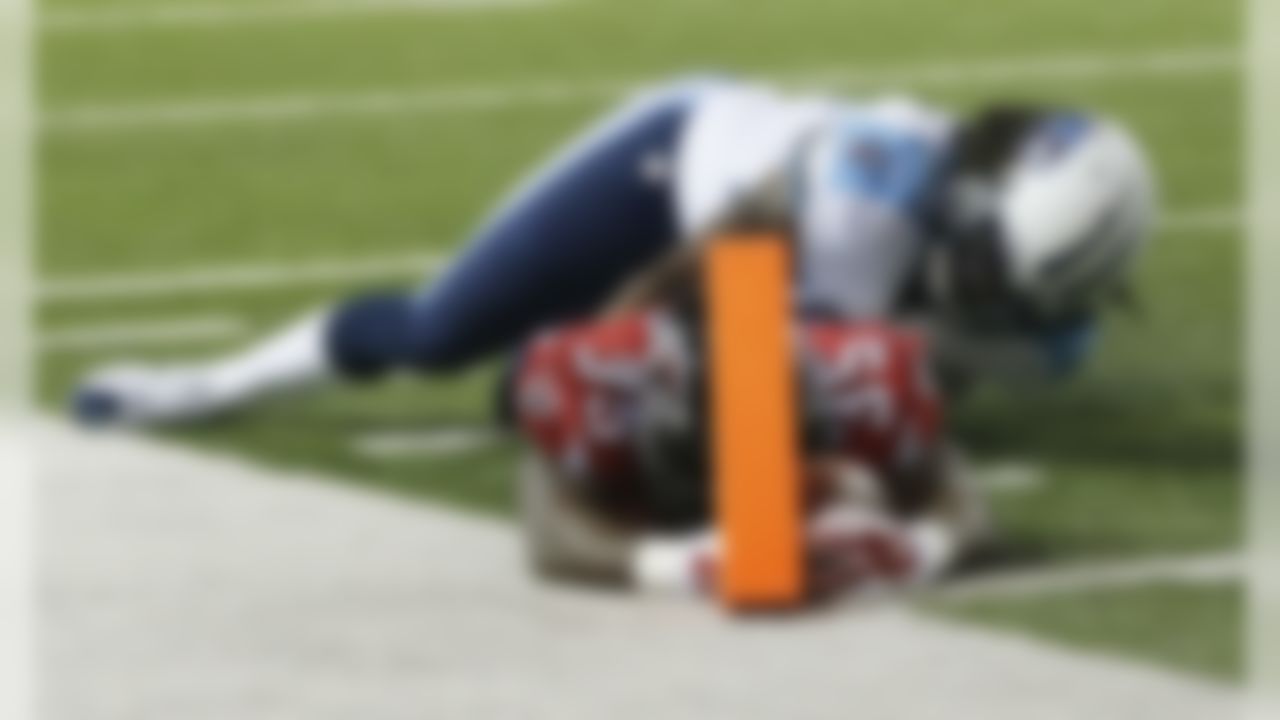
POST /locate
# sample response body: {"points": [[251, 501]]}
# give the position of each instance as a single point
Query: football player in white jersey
{"points": [[1004, 232]]}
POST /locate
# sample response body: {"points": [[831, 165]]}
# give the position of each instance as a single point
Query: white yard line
{"points": [[191, 15], [1004, 477], [218, 112], [181, 583], [408, 444], [1201, 220], [1010, 477], [185, 281], [1079, 66], [177, 331], [1198, 569], [173, 282]]}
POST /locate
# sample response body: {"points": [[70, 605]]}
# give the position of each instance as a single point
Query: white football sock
{"points": [[294, 359]]}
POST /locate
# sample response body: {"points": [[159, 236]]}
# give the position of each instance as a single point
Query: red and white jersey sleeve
{"points": [[871, 394], [584, 393], [588, 394]]}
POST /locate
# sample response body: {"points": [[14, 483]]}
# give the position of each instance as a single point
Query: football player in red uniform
{"points": [[615, 485]]}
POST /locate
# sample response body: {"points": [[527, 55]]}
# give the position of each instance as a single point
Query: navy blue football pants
{"points": [[557, 249]]}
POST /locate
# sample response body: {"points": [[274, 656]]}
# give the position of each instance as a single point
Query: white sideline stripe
{"points": [[154, 333], [185, 281], [1199, 569], [176, 15], [400, 445], [476, 98], [159, 559]]}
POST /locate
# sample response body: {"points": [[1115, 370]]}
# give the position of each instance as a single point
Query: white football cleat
{"points": [[145, 395]]}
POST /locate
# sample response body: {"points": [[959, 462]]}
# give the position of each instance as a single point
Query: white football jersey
{"points": [[858, 172]]}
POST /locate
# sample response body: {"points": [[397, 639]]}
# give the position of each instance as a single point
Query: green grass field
{"points": [[1154, 617], [1140, 454]]}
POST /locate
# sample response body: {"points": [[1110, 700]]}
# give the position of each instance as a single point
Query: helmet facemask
{"points": [[1041, 212], [967, 273]]}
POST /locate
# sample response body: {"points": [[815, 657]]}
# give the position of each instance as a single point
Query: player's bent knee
{"points": [[369, 335], [372, 335]]}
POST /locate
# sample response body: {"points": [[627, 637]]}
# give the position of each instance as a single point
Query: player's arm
{"points": [[566, 539], [1033, 352], [946, 520], [671, 276], [856, 538], [869, 532], [570, 541]]}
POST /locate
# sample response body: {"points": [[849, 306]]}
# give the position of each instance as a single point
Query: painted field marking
{"points": [[1005, 477], [1079, 66], [411, 444], [174, 282], [1010, 477], [1201, 220], [149, 333], [1204, 569], [191, 15], [302, 556], [217, 112]]}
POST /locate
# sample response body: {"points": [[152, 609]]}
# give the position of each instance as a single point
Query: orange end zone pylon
{"points": [[754, 431]]}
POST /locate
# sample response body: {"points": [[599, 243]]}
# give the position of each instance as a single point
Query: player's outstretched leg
{"points": [[559, 247], [294, 359]]}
